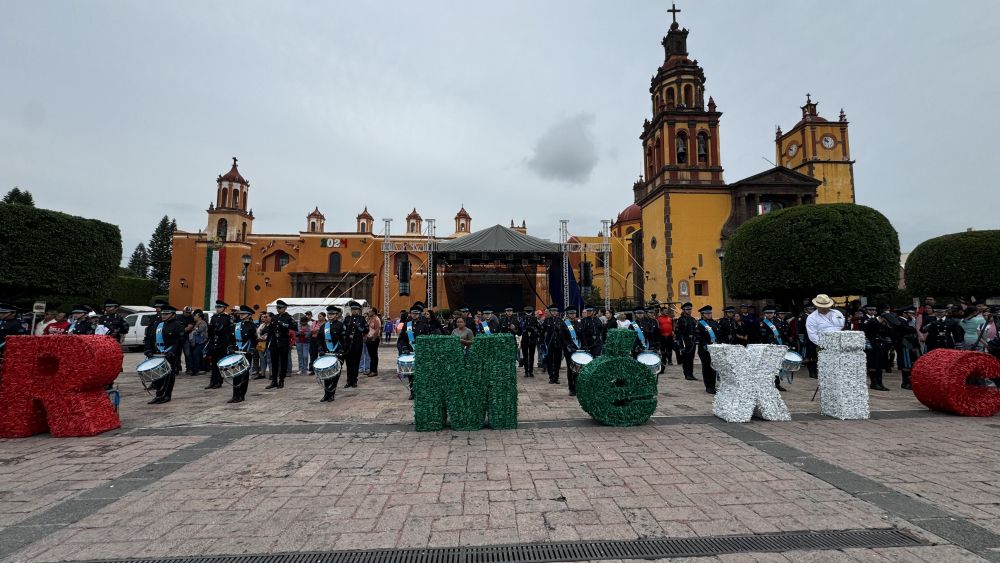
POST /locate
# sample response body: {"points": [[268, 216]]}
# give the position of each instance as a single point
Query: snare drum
{"points": [[327, 367], [651, 360], [580, 359], [405, 365], [233, 366], [792, 362], [152, 370]]}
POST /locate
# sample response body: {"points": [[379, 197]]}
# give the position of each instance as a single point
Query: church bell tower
{"points": [[820, 149], [228, 218]]}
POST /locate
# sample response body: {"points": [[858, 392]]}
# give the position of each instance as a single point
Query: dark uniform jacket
{"points": [[336, 338], [116, 325], [509, 325], [420, 328], [10, 327], [248, 334], [767, 336], [277, 331], [566, 339], [727, 331], [592, 333], [493, 323], [531, 329], [173, 338], [220, 332], [685, 333], [550, 333], [943, 333], [651, 330], [355, 328], [82, 326], [704, 339]]}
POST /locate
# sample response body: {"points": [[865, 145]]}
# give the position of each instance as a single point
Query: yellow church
{"points": [[665, 246]]}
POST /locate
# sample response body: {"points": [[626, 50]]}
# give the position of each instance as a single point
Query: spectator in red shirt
{"points": [[666, 321], [58, 326]]}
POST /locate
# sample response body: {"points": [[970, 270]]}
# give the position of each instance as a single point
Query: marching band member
{"points": [[489, 325], [592, 332], [220, 338], [331, 340], [10, 325], [728, 326], [708, 333], [245, 338], [569, 338], [686, 340], [166, 339], [773, 330], [79, 323], [553, 344], [508, 322], [407, 341], [278, 340], [531, 332], [355, 328], [113, 321]]}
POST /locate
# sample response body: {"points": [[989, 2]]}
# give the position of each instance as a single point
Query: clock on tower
{"points": [[819, 148]]}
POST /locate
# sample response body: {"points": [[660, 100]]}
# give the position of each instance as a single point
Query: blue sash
{"points": [[160, 344], [572, 333], [239, 338], [409, 334], [330, 344], [485, 327], [708, 328], [642, 337], [774, 329], [72, 327]]}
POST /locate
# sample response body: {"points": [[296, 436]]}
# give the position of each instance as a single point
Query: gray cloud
{"points": [[566, 152]]}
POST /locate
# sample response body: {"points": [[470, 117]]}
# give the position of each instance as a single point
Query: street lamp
{"points": [[721, 253], [243, 277]]}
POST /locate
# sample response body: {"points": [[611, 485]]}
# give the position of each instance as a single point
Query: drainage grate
{"points": [[583, 550]]}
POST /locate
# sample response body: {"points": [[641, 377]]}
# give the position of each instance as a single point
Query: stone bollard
{"points": [[746, 386], [843, 376]]}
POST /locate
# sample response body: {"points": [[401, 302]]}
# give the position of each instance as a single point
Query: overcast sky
{"points": [[126, 111]]}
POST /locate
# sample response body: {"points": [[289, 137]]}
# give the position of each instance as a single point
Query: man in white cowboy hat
{"points": [[824, 319]]}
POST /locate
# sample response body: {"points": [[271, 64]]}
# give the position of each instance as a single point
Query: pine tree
{"points": [[138, 264], [19, 197], [159, 252]]}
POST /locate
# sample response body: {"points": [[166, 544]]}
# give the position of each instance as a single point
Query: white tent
{"points": [[297, 306]]}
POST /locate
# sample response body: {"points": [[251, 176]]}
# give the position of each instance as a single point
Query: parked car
{"points": [[137, 323]]}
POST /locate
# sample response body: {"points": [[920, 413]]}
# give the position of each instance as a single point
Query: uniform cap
{"points": [[279, 303], [79, 309], [770, 309], [729, 309], [246, 309], [221, 303], [705, 309], [687, 305], [111, 303]]}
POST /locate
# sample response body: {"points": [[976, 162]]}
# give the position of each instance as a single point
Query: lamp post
{"points": [[243, 276], [721, 253]]}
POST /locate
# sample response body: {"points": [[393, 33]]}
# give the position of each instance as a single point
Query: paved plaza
{"points": [[283, 472]]}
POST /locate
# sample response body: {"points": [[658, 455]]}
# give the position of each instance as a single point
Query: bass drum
{"points": [[405, 365], [152, 371], [327, 367], [651, 360], [233, 366], [580, 359]]}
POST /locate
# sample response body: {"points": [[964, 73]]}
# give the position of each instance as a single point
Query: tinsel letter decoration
{"points": [[617, 391], [843, 376], [957, 382], [56, 383], [468, 391], [619, 342], [746, 382]]}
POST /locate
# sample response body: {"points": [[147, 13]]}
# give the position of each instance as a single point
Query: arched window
{"points": [[629, 230], [243, 232], [312, 226], [461, 226], [280, 260], [688, 97], [670, 98], [682, 148], [225, 198], [657, 104], [222, 230], [703, 147], [333, 264], [413, 227], [364, 227], [236, 198]]}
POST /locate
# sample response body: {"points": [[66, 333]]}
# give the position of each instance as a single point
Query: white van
{"points": [[137, 323]]}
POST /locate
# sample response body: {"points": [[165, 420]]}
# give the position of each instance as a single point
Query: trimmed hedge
{"points": [[966, 264], [836, 249], [133, 291], [48, 252]]}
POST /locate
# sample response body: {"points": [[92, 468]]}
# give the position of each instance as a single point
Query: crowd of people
{"points": [[547, 339]]}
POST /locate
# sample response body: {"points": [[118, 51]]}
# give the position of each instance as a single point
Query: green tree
{"points": [[56, 254], [18, 196], [962, 264], [159, 252], [138, 263], [788, 255]]}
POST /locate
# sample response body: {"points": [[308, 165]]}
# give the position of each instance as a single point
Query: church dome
{"points": [[630, 213], [233, 175]]}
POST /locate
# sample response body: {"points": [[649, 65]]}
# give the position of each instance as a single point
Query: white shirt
{"points": [[817, 324]]}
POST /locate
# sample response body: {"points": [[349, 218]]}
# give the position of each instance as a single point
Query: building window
{"points": [[652, 242], [243, 232], [333, 266], [682, 148], [600, 260], [687, 96], [461, 226], [364, 227], [412, 228], [223, 229], [225, 198], [703, 147], [401, 257], [670, 98], [236, 198], [280, 260], [629, 230], [701, 288], [765, 207], [312, 226]]}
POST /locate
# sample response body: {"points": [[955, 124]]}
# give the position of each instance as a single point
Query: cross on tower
{"points": [[674, 11]]}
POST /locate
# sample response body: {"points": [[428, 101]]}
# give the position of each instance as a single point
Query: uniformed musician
{"points": [[569, 339], [727, 326], [708, 333], [279, 342], [773, 330], [355, 328], [79, 322], [331, 341], [686, 340], [531, 333], [489, 324], [111, 320], [166, 339], [245, 342], [10, 325], [553, 344], [407, 341], [220, 338]]}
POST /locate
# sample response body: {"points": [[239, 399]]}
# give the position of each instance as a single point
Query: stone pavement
{"points": [[285, 473]]}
